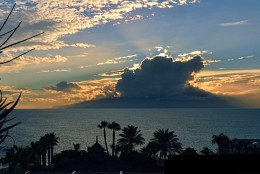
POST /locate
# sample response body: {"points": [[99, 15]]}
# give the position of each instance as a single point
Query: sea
{"points": [[194, 127]]}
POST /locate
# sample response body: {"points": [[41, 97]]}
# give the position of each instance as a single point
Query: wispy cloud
{"points": [[118, 60], [237, 23], [55, 71], [62, 18], [230, 82], [195, 52], [246, 57], [31, 61], [239, 58], [112, 73]]}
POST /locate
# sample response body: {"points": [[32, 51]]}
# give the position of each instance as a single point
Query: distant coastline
{"points": [[148, 103]]}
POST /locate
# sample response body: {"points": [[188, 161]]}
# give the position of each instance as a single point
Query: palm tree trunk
{"points": [[51, 154], [38, 161], [113, 146], [49, 157], [44, 160], [105, 138]]}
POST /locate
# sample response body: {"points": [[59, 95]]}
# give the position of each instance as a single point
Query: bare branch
{"points": [[9, 127], [1, 108], [21, 41], [9, 120], [3, 102], [7, 32], [11, 34], [7, 18], [17, 56]]}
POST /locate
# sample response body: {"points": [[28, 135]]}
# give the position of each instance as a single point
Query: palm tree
{"points": [[53, 140], [44, 147], [103, 126], [206, 151], [130, 137], [50, 141], [223, 143], [115, 127], [37, 153], [167, 142]]}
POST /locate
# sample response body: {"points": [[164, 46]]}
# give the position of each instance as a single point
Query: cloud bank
{"points": [[161, 77]]}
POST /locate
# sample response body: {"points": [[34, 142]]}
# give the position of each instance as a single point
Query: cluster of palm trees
{"points": [[36, 156], [163, 143], [114, 127]]}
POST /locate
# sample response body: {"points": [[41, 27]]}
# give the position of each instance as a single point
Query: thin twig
{"points": [[11, 34], [17, 57], [21, 41], [7, 17], [7, 32]]}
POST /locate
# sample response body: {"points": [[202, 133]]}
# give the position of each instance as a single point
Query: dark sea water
{"points": [[194, 127]]}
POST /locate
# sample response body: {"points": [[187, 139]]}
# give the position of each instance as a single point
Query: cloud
{"points": [[196, 52], [63, 18], [237, 23], [112, 73], [55, 71], [230, 82], [118, 60], [239, 58], [161, 77], [64, 87], [82, 45], [30, 61], [246, 57]]}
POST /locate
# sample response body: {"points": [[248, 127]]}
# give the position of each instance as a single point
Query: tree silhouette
{"points": [[103, 125], [44, 147], [49, 141], [18, 158], [130, 137], [167, 143], [206, 151], [3, 117], [189, 151], [37, 151], [114, 127], [5, 37], [223, 143], [151, 149]]}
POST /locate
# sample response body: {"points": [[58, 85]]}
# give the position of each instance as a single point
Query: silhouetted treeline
{"points": [[127, 155]]}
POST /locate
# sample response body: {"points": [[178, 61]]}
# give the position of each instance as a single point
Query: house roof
{"points": [[97, 148]]}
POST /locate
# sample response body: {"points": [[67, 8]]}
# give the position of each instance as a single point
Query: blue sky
{"points": [[84, 39]]}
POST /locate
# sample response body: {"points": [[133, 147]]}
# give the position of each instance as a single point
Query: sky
{"points": [[109, 48]]}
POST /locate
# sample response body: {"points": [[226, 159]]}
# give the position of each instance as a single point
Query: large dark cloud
{"points": [[161, 77], [64, 87]]}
